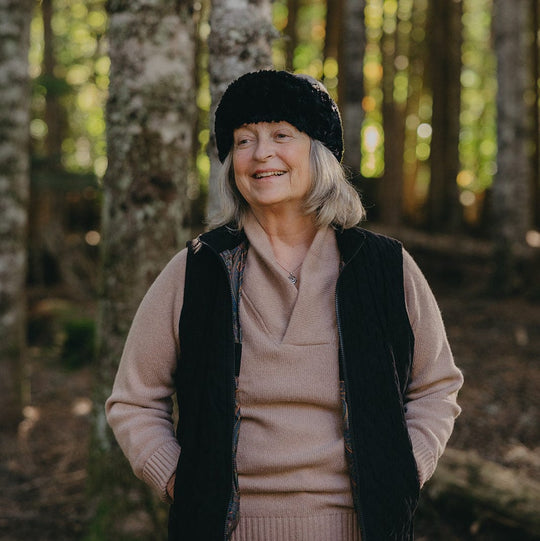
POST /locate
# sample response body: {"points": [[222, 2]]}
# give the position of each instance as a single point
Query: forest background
{"points": [[106, 166]]}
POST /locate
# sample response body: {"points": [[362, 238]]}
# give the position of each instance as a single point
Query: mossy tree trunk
{"points": [[15, 17], [240, 41], [150, 114]]}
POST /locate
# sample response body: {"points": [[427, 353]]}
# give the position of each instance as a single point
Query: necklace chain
{"points": [[292, 277]]}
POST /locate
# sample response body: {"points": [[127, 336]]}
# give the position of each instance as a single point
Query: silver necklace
{"points": [[292, 278]]}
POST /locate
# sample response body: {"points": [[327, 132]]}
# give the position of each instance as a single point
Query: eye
{"points": [[242, 141], [282, 135]]}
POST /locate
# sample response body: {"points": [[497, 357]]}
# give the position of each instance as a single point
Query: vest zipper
{"points": [[347, 394], [233, 454]]}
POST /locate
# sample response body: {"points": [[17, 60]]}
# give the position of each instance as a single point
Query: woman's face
{"points": [[271, 165]]}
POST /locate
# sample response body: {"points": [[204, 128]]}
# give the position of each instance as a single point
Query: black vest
{"points": [[376, 351]]}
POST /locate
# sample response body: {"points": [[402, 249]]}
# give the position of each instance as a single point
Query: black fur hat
{"points": [[273, 96]]}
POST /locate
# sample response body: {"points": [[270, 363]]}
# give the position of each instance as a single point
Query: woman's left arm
{"points": [[431, 406]]}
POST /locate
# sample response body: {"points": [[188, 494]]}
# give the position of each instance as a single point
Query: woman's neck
{"points": [[290, 236]]}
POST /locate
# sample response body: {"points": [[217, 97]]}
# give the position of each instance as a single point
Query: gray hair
{"points": [[331, 197]]}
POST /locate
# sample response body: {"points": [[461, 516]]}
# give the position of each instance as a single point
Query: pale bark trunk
{"points": [[443, 203], [352, 82], [15, 16], [512, 186], [240, 41], [150, 116]]}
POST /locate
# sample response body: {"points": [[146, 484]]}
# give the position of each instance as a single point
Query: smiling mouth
{"points": [[268, 174]]}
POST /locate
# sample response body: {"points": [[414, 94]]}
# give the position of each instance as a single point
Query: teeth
{"points": [[269, 174]]}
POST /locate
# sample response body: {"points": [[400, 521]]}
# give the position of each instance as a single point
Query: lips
{"points": [[265, 174]]}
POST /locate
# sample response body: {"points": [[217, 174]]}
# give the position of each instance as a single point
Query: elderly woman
{"points": [[316, 388]]}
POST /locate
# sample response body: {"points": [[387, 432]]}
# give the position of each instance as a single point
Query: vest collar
{"points": [[227, 237]]}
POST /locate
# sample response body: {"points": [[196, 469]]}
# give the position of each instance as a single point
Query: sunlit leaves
{"points": [[477, 144], [79, 81]]}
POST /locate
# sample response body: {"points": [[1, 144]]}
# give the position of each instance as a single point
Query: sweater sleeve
{"points": [[140, 407], [435, 379]]}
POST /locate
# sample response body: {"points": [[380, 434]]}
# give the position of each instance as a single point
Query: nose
{"points": [[264, 149]]}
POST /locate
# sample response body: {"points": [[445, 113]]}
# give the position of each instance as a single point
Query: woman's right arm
{"points": [[139, 409]]}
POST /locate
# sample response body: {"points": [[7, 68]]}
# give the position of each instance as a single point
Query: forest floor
{"points": [[496, 342]]}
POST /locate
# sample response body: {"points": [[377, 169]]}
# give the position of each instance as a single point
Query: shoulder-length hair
{"points": [[332, 199]]}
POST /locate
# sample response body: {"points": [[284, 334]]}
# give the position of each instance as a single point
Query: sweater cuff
{"points": [[425, 460], [160, 467]]}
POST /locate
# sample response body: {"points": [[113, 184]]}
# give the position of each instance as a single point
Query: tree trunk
{"points": [[15, 17], [351, 81], [150, 114], [240, 41], [443, 208], [46, 233], [419, 86], [535, 16], [511, 191], [333, 33], [291, 33], [54, 113], [391, 189]]}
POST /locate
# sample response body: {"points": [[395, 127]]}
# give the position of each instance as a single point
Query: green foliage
{"points": [[310, 29], [78, 83], [478, 138]]}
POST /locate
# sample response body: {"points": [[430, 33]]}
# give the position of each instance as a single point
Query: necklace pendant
{"points": [[292, 278]]}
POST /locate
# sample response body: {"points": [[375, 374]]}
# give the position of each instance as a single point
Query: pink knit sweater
{"points": [[293, 477]]}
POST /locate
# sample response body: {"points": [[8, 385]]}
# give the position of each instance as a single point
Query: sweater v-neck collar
{"points": [[291, 312]]}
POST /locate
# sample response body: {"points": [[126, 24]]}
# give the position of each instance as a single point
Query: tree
{"points": [[150, 114], [240, 41], [535, 7], [15, 16], [511, 191], [445, 67], [291, 33], [393, 112], [333, 31], [351, 80]]}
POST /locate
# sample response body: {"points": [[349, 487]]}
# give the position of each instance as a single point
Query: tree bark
{"points": [[443, 208], [512, 186], [351, 83], [150, 114], [15, 17], [240, 41]]}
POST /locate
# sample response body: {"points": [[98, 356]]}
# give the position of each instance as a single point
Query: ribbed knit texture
{"points": [[333, 527]]}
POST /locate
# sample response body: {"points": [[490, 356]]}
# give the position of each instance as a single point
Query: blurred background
{"points": [[106, 168]]}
